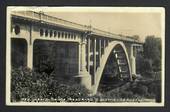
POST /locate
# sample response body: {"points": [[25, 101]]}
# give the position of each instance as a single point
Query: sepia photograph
{"points": [[85, 56]]}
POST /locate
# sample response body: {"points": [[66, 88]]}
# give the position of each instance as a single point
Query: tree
{"points": [[136, 37], [152, 51]]}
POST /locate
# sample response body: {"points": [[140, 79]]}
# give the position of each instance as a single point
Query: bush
{"points": [[119, 93], [27, 84], [20, 83], [140, 90], [32, 86]]}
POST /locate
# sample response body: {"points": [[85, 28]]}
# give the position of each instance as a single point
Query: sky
{"points": [[128, 24]]}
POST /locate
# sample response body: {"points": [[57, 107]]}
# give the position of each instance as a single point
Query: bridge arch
{"points": [[108, 50]]}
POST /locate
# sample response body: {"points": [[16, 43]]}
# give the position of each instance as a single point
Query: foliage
{"points": [[147, 68], [136, 37], [139, 89], [32, 85], [149, 61], [119, 93], [152, 51]]}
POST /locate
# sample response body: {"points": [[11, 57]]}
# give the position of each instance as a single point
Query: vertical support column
{"points": [[94, 61], [79, 57], [84, 77], [100, 51], [30, 56], [104, 45], [133, 61], [83, 56], [30, 50], [88, 55], [108, 41]]}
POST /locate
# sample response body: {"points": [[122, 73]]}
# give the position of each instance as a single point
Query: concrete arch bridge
{"points": [[84, 52]]}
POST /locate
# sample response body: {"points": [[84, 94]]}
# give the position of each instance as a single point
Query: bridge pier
{"points": [[104, 45], [30, 49], [30, 56], [133, 61], [100, 53], [88, 54], [84, 78], [94, 60]]}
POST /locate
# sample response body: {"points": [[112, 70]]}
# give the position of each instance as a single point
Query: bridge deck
{"points": [[43, 18]]}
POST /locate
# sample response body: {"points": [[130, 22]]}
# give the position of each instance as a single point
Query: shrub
{"points": [[30, 85], [27, 84], [127, 94], [20, 84], [112, 94], [140, 90], [118, 93]]}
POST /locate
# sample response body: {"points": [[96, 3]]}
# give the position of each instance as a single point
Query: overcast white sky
{"points": [[141, 24]]}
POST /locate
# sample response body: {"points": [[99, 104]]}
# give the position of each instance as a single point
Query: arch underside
{"points": [[116, 60]]}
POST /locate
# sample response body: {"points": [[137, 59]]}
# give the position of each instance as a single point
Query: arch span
{"points": [[108, 50]]}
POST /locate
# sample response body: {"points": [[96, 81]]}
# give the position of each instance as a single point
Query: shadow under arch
{"points": [[19, 47], [108, 51], [59, 57]]}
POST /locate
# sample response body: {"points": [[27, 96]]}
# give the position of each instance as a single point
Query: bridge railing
{"points": [[39, 16], [50, 19], [111, 35]]}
